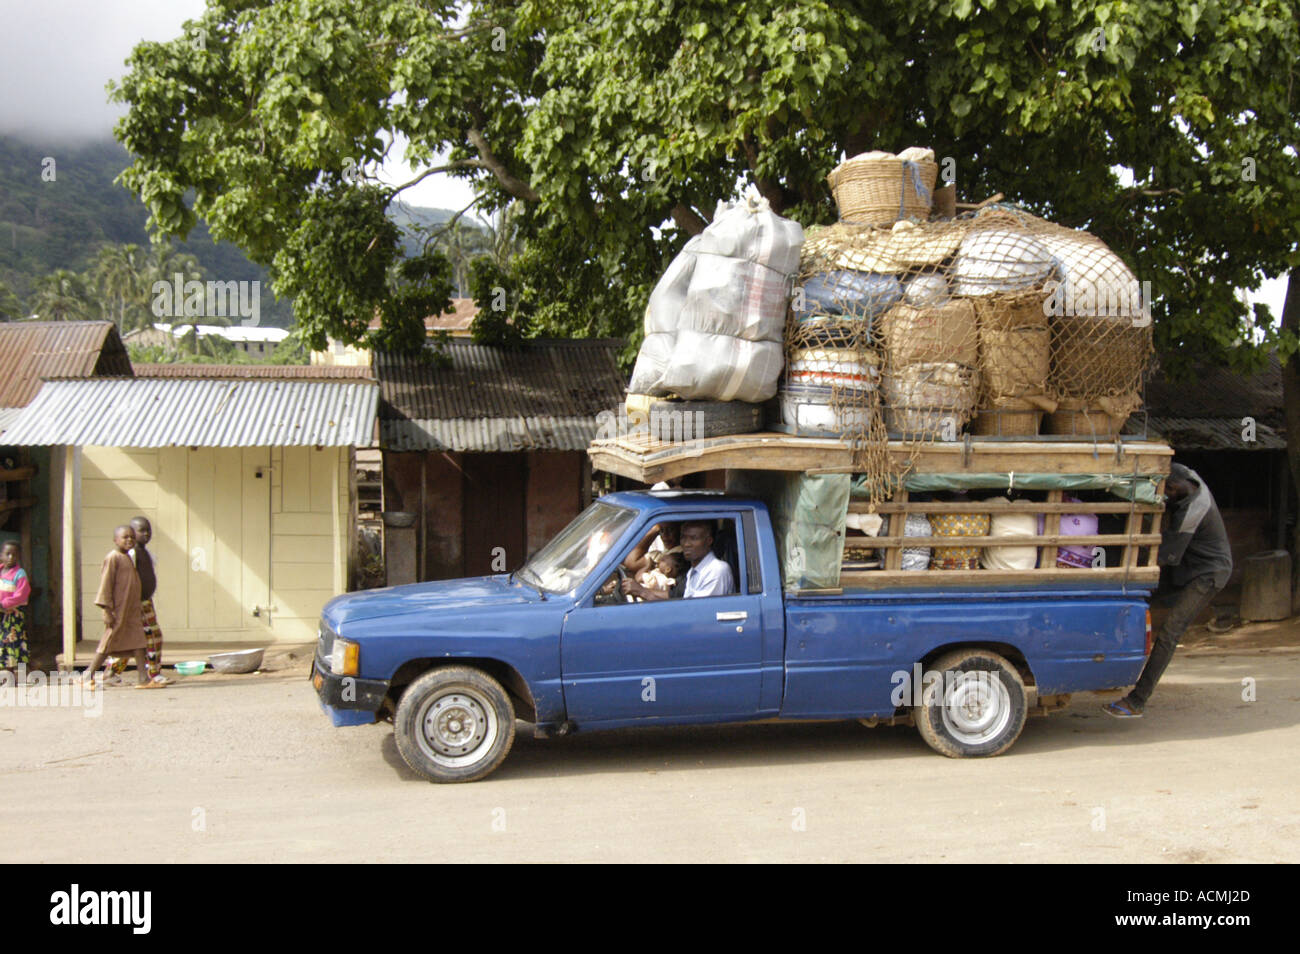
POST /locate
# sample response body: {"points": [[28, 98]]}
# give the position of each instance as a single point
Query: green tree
{"points": [[606, 120], [62, 296], [117, 276], [11, 307]]}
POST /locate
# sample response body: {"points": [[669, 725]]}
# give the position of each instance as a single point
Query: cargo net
{"points": [[996, 323]]}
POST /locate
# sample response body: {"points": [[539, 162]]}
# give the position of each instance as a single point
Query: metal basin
{"points": [[245, 660]]}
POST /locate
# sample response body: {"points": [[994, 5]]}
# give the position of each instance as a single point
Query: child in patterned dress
{"points": [[14, 592]]}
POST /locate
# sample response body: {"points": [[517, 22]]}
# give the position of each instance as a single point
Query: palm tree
{"points": [[11, 308], [163, 264], [61, 296], [118, 273]]}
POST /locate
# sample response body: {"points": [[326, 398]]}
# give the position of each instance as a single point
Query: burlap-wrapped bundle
{"points": [[933, 334]]}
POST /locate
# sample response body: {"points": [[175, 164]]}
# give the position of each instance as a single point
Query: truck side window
{"points": [[705, 563]]}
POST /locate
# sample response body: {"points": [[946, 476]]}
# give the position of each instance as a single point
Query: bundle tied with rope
{"points": [[992, 320]]}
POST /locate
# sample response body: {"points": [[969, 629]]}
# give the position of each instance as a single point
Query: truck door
{"points": [[683, 660]]}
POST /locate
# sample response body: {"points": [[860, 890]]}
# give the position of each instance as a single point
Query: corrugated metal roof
{"points": [[7, 415], [1215, 433], [33, 350], [458, 318], [279, 372], [543, 396], [168, 412], [1213, 392], [508, 434]]}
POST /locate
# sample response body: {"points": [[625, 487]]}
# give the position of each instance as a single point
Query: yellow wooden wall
{"points": [[226, 541]]}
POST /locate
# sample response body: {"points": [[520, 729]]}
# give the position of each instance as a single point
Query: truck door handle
{"points": [[736, 615]]}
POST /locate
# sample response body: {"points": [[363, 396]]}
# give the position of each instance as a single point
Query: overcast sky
{"points": [[57, 55]]}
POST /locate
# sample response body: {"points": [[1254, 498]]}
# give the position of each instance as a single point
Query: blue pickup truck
{"points": [[559, 644]]}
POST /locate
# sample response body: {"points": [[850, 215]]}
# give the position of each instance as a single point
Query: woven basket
{"points": [[1074, 418], [882, 191], [922, 335], [1014, 310], [1015, 362], [1097, 356], [1006, 422]]}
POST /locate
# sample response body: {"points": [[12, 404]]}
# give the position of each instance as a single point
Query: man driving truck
{"points": [[708, 575]]}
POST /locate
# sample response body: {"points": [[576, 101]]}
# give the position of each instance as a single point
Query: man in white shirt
{"points": [[708, 576]]}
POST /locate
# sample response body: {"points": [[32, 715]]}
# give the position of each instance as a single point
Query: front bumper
{"points": [[347, 700]]}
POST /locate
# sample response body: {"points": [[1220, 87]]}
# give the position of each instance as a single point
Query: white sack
{"points": [[1010, 525], [708, 367]]}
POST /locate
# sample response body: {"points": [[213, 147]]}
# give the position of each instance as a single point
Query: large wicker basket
{"points": [[1074, 417], [882, 191], [1009, 418]]}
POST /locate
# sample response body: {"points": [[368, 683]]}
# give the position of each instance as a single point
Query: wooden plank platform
{"points": [[646, 459], [879, 579]]}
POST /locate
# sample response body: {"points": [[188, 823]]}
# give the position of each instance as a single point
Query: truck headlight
{"points": [[345, 657]]}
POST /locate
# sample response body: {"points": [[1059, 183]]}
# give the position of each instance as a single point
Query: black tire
{"points": [[962, 715], [454, 724], [692, 420]]}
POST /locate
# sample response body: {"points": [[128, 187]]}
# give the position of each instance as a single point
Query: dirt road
{"points": [[248, 769]]}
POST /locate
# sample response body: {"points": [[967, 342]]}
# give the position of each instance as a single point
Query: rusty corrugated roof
{"points": [[458, 318], [31, 351], [543, 396], [279, 372]]}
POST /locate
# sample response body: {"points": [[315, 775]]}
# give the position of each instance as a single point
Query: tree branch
{"points": [[688, 219], [450, 223], [509, 181], [449, 167]]}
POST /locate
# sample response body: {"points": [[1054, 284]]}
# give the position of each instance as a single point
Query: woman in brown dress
{"points": [[119, 597]]}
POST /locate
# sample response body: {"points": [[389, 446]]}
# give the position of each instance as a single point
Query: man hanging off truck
{"points": [[1196, 562]]}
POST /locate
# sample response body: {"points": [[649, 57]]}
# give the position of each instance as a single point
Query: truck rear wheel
{"points": [[454, 725], [972, 704]]}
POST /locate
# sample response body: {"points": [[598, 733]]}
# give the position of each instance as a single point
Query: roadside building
{"points": [[246, 473], [256, 341], [456, 322], [485, 454], [1230, 429], [31, 477]]}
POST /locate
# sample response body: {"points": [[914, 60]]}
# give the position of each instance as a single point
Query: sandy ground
{"points": [[247, 768]]}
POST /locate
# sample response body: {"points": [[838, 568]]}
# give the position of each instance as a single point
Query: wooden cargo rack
{"points": [[643, 458]]}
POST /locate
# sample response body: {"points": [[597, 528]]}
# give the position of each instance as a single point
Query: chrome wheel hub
{"points": [[457, 727], [976, 706]]}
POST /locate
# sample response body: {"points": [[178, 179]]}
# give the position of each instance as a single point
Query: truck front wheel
{"points": [[454, 725], [972, 704]]}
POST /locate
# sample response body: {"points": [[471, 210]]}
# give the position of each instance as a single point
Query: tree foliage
{"points": [[1166, 127]]}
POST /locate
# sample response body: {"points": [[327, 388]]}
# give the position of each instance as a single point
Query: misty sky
{"points": [[57, 55]]}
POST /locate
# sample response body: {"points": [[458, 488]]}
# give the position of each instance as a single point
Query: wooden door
{"points": [[227, 535], [495, 486]]}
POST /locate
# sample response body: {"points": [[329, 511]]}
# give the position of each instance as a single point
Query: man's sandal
{"points": [[1122, 709]]}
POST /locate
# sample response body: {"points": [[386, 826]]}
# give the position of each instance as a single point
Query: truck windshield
{"points": [[565, 562]]}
